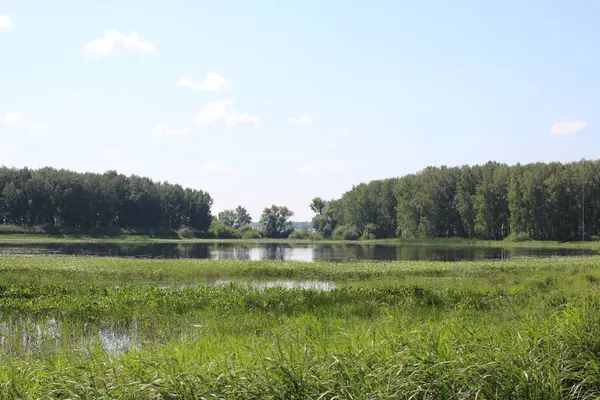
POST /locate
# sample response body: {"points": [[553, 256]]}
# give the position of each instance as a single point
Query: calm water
{"points": [[291, 252]]}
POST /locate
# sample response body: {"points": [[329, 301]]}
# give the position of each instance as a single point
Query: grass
{"points": [[77, 327]]}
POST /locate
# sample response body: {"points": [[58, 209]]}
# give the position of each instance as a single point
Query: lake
{"points": [[292, 252]]}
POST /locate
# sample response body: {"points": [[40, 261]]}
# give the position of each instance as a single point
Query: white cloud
{"points": [[323, 168], [111, 154], [114, 41], [304, 119], [212, 82], [568, 127], [165, 130], [224, 112], [6, 22], [220, 168], [15, 120], [20, 120]]}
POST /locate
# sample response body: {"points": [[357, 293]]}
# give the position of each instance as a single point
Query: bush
{"points": [[301, 234], [369, 232], [187, 233], [346, 232], [316, 236], [519, 237], [218, 230], [252, 234]]}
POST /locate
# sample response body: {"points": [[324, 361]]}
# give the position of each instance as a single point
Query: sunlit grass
{"points": [[77, 327]]}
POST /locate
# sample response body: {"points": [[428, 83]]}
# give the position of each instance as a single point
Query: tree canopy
{"points": [[542, 201], [235, 218], [276, 223], [66, 199]]}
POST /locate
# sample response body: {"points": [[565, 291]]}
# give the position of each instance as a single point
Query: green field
{"points": [[77, 327]]}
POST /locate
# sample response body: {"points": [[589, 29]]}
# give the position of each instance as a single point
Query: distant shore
{"points": [[145, 238]]}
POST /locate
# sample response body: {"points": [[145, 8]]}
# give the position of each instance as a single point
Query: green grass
{"points": [[523, 328]]}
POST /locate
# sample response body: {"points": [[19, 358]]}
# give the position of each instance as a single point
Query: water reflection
{"points": [[291, 252], [322, 286], [26, 334]]}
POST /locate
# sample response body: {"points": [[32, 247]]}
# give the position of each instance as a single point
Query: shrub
{"points": [[346, 232], [316, 236], [518, 237], [369, 232], [218, 230], [187, 233], [252, 234], [301, 234]]}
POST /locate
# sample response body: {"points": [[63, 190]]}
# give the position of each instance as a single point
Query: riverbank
{"points": [[23, 239]]}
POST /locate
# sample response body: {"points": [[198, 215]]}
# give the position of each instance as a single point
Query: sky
{"points": [[271, 102]]}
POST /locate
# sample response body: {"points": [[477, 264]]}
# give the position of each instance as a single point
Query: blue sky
{"points": [[272, 102]]}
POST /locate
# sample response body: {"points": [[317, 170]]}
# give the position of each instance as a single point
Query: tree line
{"points": [[540, 201], [66, 200]]}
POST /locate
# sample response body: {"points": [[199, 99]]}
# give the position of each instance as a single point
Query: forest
{"points": [[539, 201], [61, 199]]}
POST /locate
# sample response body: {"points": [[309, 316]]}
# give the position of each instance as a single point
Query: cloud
{"points": [[212, 82], [304, 119], [111, 154], [114, 41], [165, 130], [568, 127], [15, 120], [6, 22], [224, 112], [19, 120], [220, 168], [323, 168]]}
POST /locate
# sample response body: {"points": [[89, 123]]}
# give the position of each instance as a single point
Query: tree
{"points": [[243, 217], [324, 222], [235, 218], [66, 200], [275, 221], [317, 205]]}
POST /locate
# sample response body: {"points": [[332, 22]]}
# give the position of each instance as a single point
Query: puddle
{"points": [[29, 335], [322, 286]]}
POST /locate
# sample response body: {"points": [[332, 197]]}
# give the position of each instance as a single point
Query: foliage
{"points": [[187, 233], [236, 218], [218, 230], [316, 236], [275, 221], [489, 202], [518, 237], [346, 232], [81, 202], [301, 234]]}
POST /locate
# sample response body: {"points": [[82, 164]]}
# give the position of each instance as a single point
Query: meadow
{"points": [[94, 327]]}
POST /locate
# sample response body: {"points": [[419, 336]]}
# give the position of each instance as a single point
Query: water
{"points": [[292, 252]]}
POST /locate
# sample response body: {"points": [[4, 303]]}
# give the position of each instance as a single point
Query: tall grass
{"points": [[75, 327]]}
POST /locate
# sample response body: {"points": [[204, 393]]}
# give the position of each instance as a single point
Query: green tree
{"points": [[235, 218], [276, 223]]}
